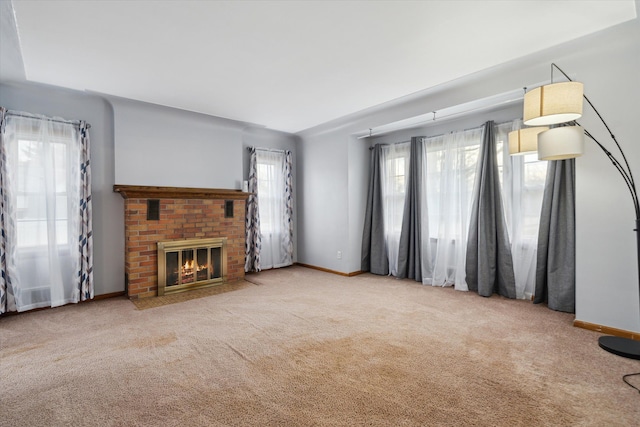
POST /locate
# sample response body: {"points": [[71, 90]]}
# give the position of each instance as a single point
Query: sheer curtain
{"points": [[394, 162], [523, 181], [46, 185], [450, 163]]}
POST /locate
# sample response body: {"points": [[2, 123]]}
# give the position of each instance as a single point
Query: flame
{"points": [[191, 265], [190, 271]]}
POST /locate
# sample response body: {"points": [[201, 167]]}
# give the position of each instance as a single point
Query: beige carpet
{"points": [[309, 348]]}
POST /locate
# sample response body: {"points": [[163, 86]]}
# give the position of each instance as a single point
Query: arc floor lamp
{"points": [[558, 103]]}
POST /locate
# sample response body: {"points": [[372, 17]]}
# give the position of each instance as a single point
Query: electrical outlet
{"points": [[339, 255]]}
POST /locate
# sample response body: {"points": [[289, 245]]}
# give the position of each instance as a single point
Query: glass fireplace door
{"points": [[187, 264]]}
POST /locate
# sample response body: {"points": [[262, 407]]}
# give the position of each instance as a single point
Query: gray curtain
{"points": [[556, 263], [253, 240], [489, 265], [374, 254], [409, 254]]}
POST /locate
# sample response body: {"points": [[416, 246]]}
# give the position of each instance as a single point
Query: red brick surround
{"points": [[180, 218]]}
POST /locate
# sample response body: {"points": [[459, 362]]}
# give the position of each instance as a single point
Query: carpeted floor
{"points": [[309, 348]]}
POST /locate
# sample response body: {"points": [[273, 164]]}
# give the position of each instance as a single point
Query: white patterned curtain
{"points": [[253, 242], [47, 237], [7, 300], [287, 240], [85, 234]]}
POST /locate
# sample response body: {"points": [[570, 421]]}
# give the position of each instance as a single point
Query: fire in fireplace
{"points": [[189, 264]]}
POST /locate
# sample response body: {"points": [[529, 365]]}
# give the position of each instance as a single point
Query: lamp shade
{"points": [[524, 141], [554, 103], [561, 143]]}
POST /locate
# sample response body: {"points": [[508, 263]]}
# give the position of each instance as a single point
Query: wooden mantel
{"points": [[150, 192]]}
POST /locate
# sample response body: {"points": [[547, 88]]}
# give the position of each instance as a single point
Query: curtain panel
{"points": [[555, 272], [489, 262], [253, 241], [394, 163], [374, 254], [410, 245], [449, 174], [287, 241], [85, 235], [7, 298]]}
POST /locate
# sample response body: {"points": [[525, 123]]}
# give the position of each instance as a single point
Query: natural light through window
{"points": [[266, 193], [41, 165], [395, 197]]}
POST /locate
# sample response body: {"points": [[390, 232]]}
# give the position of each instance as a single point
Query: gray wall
{"points": [[11, 65], [162, 146], [323, 208], [332, 191]]}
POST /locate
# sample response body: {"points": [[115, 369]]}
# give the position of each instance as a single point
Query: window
{"points": [[534, 177], [41, 165], [396, 191], [450, 167], [267, 195], [451, 163], [394, 163], [48, 236], [274, 191], [522, 179]]}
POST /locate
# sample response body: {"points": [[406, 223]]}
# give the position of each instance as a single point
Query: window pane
{"points": [[42, 167], [266, 190]]}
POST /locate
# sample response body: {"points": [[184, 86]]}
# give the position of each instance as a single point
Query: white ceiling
{"points": [[288, 65]]}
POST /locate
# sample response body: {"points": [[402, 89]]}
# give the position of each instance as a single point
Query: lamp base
{"points": [[624, 347]]}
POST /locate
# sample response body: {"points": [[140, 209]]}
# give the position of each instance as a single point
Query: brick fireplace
{"points": [[161, 214]]}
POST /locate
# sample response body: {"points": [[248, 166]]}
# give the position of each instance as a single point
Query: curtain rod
{"points": [[449, 133], [393, 143], [484, 104], [275, 150], [51, 119]]}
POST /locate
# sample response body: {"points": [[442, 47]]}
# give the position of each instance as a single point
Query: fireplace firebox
{"points": [[188, 264]]}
